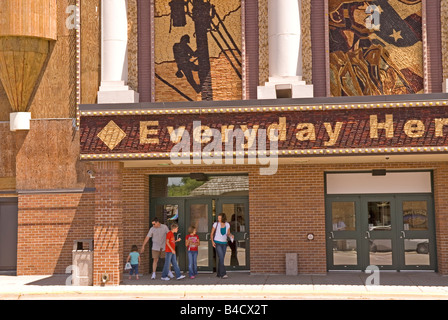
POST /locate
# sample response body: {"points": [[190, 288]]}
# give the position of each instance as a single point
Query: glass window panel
{"points": [[167, 213], [345, 252], [379, 216], [202, 259], [343, 216], [235, 216], [199, 217], [416, 252], [178, 186], [381, 252], [415, 215]]}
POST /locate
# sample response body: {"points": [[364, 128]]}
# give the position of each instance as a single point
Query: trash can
{"points": [[291, 264], [82, 269]]}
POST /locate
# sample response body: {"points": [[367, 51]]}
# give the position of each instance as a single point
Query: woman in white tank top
{"points": [[219, 234]]}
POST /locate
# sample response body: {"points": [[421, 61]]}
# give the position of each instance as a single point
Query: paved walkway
{"points": [[333, 285]]}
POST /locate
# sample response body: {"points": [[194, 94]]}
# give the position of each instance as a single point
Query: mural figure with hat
{"points": [[183, 55], [383, 60], [197, 50]]}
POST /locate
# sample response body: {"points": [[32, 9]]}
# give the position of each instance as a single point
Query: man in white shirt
{"points": [[158, 233]]}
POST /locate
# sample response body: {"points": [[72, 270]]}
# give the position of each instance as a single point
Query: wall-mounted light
{"points": [[378, 172], [199, 176]]}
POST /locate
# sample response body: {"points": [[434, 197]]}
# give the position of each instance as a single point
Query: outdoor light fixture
{"points": [[199, 176], [379, 172]]}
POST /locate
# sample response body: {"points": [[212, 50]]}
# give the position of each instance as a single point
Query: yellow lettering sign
{"points": [[388, 126], [414, 128], [145, 132], [439, 124], [306, 131]]}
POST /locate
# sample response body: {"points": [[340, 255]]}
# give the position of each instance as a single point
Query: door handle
{"points": [[367, 235], [245, 236], [331, 235], [178, 235], [206, 236], [403, 234]]}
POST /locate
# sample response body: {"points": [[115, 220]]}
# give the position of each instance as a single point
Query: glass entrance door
{"points": [[391, 232], [379, 228], [237, 213], [169, 211], [199, 213], [344, 237], [416, 239]]}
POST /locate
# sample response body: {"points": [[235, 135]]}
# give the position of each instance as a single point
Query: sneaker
{"points": [[153, 277], [166, 279], [192, 277], [224, 277], [170, 274], [181, 277]]}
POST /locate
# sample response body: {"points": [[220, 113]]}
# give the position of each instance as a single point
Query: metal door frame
{"points": [[239, 236], [184, 220], [396, 234]]}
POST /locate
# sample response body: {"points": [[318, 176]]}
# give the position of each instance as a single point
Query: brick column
{"points": [[441, 216], [108, 227]]}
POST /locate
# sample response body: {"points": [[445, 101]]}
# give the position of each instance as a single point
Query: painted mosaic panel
{"points": [[376, 47], [197, 50]]}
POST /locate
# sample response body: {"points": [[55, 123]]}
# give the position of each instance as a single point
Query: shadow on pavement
{"points": [[245, 278]]}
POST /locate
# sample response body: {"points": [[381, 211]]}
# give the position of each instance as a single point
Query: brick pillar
{"points": [[441, 216], [108, 227]]}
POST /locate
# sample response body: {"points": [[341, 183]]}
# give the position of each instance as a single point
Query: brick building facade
{"points": [[358, 139]]}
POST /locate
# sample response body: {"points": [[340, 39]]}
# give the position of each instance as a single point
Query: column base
{"points": [[116, 92], [445, 86], [285, 87]]}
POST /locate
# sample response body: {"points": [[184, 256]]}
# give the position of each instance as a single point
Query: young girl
{"points": [[192, 243], [134, 257]]}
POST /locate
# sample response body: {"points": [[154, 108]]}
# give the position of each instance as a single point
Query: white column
{"points": [[114, 58], [285, 51]]}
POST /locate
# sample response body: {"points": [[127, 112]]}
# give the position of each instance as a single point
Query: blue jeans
{"points": [[221, 252], [170, 258], [192, 263], [134, 269]]}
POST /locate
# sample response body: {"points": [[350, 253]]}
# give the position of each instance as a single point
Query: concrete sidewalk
{"points": [[333, 285]]}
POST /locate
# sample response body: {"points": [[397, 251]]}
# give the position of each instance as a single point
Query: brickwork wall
{"points": [[48, 224], [284, 208], [441, 210], [135, 214], [108, 224], [291, 204]]}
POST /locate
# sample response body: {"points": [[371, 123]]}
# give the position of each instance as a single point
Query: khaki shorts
{"points": [[158, 254]]}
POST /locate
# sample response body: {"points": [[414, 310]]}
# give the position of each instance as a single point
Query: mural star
{"points": [[396, 35]]}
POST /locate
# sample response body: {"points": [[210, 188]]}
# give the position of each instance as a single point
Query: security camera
{"points": [[90, 173]]}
